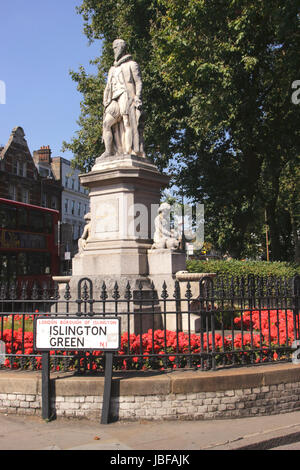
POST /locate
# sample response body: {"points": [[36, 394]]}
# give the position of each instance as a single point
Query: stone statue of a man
{"points": [[122, 100]]}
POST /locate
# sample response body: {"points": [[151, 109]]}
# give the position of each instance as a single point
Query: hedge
{"points": [[243, 268]]}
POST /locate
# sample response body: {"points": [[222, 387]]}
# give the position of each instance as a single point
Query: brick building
{"points": [[74, 201], [46, 181], [20, 179]]}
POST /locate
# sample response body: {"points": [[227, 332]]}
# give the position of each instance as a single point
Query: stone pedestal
{"points": [[136, 316], [163, 266], [165, 262], [191, 321], [124, 197]]}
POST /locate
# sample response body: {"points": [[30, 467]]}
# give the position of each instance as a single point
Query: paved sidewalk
{"points": [[33, 433]]}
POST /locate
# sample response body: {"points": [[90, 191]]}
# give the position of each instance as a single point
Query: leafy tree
{"points": [[217, 80], [234, 63], [289, 207]]}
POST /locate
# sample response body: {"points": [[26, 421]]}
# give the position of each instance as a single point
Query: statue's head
{"points": [[119, 48], [164, 208]]}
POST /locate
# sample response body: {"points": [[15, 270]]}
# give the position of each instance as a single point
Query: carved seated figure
{"points": [[164, 237], [85, 234]]}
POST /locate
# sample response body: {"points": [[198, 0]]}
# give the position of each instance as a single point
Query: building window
{"points": [[15, 166], [66, 205], [12, 190], [73, 208], [79, 208], [25, 196], [20, 168], [24, 170], [44, 172], [73, 183], [54, 202], [44, 200], [66, 181]]}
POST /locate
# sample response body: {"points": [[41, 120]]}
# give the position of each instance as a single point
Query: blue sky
{"points": [[41, 40]]}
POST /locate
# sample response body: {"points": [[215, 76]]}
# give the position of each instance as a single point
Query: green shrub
{"points": [[243, 268]]}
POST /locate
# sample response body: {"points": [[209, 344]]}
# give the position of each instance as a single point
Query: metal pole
{"points": [[107, 387], [182, 221], [46, 411]]}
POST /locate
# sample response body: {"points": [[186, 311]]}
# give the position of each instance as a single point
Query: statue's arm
{"points": [[107, 90], [157, 232], [136, 73], [85, 232], [165, 227]]}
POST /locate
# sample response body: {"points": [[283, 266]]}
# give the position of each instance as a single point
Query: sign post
{"points": [[76, 334], [46, 408], [107, 387]]}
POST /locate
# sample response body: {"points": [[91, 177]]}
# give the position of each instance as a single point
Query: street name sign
{"points": [[74, 333]]}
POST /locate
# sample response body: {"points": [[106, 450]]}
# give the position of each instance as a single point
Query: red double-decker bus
{"points": [[29, 250]]}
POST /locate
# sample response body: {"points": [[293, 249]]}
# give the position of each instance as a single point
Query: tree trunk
{"points": [[275, 251], [296, 237]]}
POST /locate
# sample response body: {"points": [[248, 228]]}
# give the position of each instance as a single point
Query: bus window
{"points": [[33, 264], [22, 219], [12, 266], [3, 267], [22, 264], [8, 216], [36, 222], [48, 223], [47, 264]]}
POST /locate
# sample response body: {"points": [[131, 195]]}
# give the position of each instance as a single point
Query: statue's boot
{"points": [[103, 155]]}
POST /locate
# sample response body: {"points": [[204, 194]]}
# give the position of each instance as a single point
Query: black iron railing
{"points": [[206, 325]]}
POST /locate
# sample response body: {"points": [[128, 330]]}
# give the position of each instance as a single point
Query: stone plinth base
{"points": [[163, 265], [115, 262], [149, 303], [139, 312], [193, 280], [165, 262]]}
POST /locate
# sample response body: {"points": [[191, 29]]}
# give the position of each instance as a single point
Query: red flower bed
{"points": [[258, 331], [275, 326]]}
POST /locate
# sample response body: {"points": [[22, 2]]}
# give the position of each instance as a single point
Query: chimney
{"points": [[42, 155]]}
